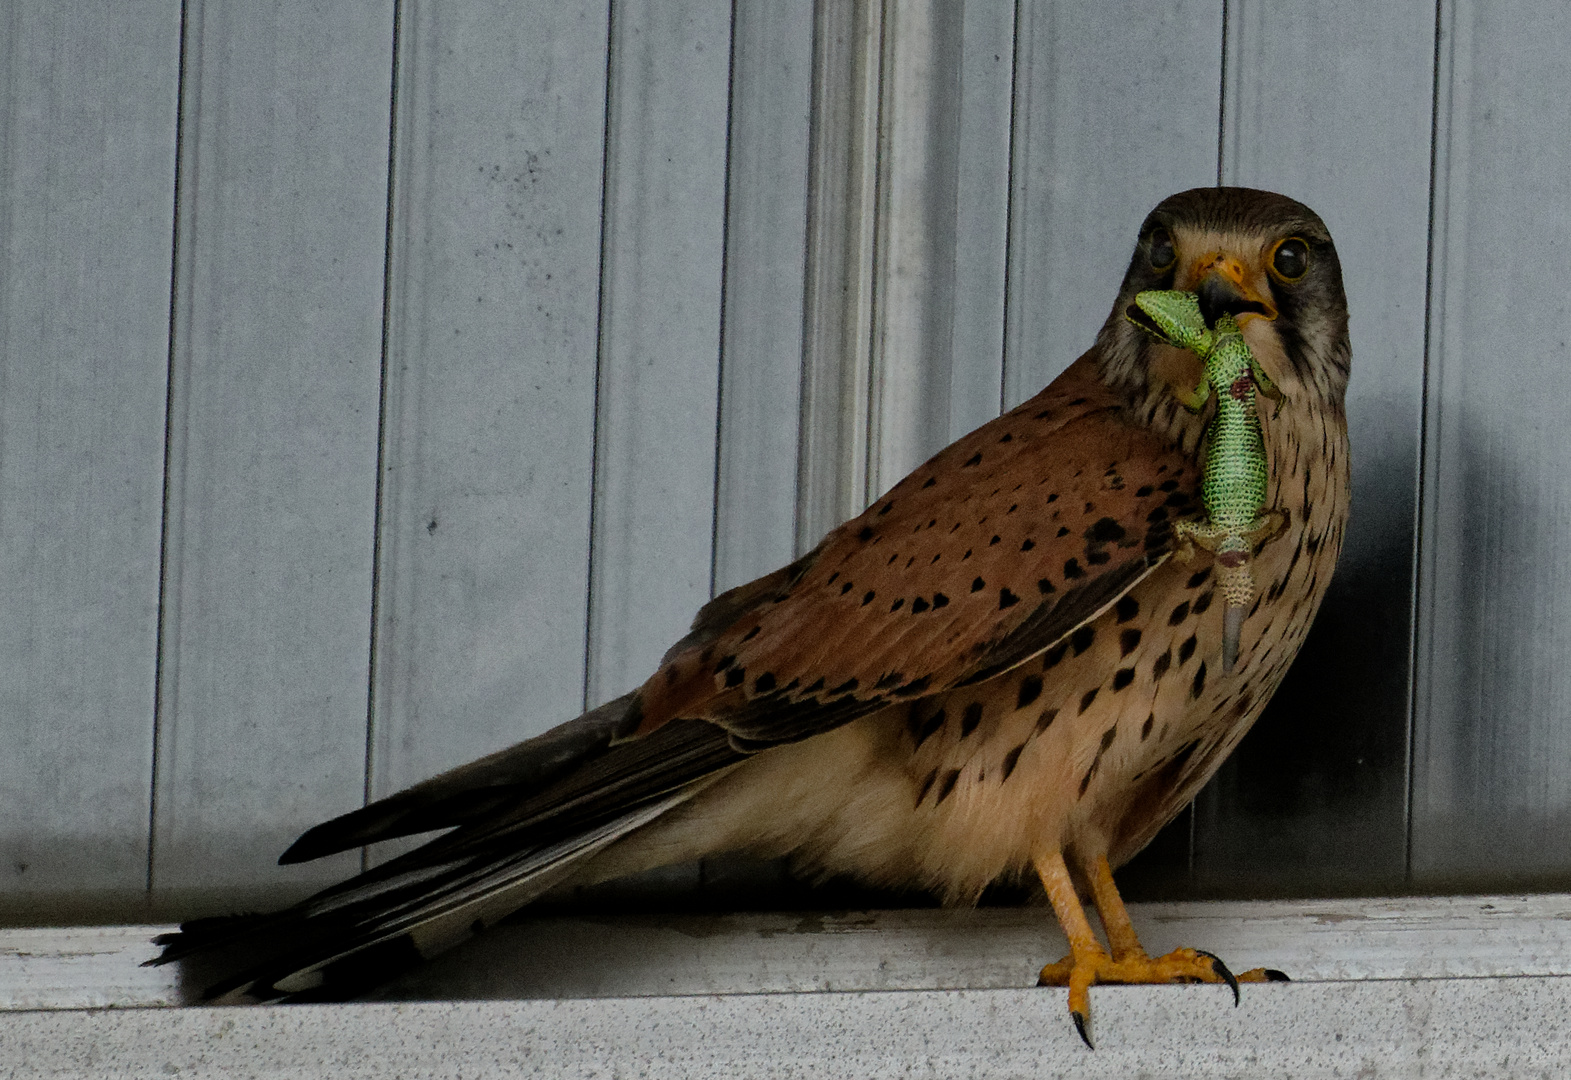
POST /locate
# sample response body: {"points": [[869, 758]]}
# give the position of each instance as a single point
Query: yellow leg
{"points": [[1089, 964], [1085, 952], [1115, 917]]}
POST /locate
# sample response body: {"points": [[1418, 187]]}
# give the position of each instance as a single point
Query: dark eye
{"points": [[1160, 247], [1290, 260]]}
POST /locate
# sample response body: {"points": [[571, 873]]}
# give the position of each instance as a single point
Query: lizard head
{"points": [[1172, 317]]}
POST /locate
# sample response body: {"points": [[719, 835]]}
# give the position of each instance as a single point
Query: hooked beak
{"points": [[1221, 289]]}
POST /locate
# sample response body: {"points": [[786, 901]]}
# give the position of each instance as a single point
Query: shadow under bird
{"points": [[998, 671]]}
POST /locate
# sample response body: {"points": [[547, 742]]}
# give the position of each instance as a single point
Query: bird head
{"points": [[1261, 257]]}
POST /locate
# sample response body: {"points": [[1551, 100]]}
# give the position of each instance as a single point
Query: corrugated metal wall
{"points": [[383, 380]]}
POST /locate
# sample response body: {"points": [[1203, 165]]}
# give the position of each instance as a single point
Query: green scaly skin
{"points": [[1236, 471]]}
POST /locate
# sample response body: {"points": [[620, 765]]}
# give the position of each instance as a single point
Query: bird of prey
{"points": [[1005, 667]]}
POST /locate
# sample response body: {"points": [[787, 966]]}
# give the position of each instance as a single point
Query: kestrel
{"points": [[1003, 667]]}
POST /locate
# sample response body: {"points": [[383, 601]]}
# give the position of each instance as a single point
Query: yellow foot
{"points": [[1178, 966]]}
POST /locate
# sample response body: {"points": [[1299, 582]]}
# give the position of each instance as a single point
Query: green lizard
{"points": [[1234, 485]]}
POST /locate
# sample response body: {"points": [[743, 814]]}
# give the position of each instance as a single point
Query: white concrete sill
{"points": [[1444, 987]]}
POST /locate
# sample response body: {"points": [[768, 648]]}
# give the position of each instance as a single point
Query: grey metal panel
{"points": [[492, 320], [838, 298], [273, 438], [1491, 787], [1315, 798], [765, 252], [1116, 107], [907, 243], [87, 143], [981, 258], [913, 261], [938, 323], [659, 379]]}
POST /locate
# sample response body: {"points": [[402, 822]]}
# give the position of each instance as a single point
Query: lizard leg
{"points": [[1267, 526], [1200, 533], [1264, 384], [1193, 400]]}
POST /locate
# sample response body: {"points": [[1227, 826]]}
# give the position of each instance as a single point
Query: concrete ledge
{"points": [[1374, 1030], [1416, 987], [1312, 940]]}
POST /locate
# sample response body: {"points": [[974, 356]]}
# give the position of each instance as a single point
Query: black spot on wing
{"points": [[1105, 531]]}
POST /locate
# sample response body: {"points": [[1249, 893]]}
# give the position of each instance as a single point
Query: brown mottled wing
{"points": [[993, 551]]}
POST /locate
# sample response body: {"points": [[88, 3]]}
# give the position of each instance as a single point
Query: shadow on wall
{"points": [[1492, 746]]}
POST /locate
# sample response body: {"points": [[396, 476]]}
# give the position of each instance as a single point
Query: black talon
{"points": [[1273, 975], [1222, 973], [1080, 1026]]}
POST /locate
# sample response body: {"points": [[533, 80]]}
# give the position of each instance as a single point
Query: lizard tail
{"points": [[1232, 623], [1237, 585]]}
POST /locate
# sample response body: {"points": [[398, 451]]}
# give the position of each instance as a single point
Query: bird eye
{"points": [[1160, 248], [1290, 260]]}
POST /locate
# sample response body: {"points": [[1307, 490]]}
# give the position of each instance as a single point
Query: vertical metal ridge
{"points": [[164, 554], [1006, 358], [606, 179], [871, 351], [1421, 587], [720, 335], [804, 359], [842, 188], [1221, 98], [1015, 247], [373, 665]]}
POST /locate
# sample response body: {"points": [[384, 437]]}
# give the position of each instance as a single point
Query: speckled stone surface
{"points": [[786, 952], [1514, 1027]]}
